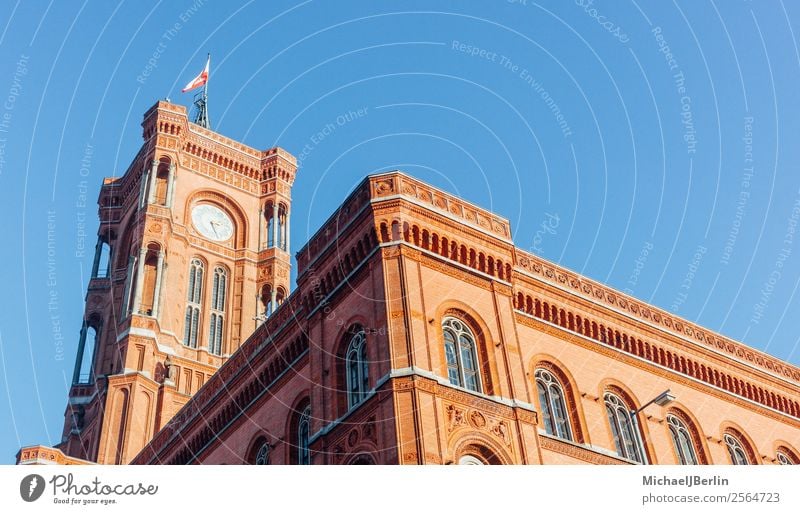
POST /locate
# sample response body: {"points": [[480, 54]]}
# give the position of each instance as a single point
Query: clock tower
{"points": [[192, 255]]}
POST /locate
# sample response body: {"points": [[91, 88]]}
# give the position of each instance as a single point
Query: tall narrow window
{"points": [[217, 324], [552, 404], [460, 353], [681, 440], [303, 434], [736, 450], [270, 214], [162, 184], [626, 437], [193, 299], [85, 374], [357, 369], [149, 282], [281, 227], [104, 261]]}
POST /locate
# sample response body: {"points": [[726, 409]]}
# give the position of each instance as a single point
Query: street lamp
{"points": [[661, 400]]}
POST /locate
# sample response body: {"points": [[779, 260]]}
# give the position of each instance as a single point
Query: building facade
{"points": [[417, 334]]}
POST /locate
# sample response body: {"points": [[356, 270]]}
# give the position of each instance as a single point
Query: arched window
{"points": [[88, 355], [736, 450], [269, 212], [193, 299], [281, 227], [552, 405], [87, 346], [103, 260], [266, 300], [149, 282], [262, 455], [682, 440], [626, 436], [217, 324], [786, 458], [460, 352], [357, 369], [161, 184], [303, 434]]}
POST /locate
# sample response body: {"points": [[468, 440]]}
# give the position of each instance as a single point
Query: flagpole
{"points": [[205, 90], [201, 98]]}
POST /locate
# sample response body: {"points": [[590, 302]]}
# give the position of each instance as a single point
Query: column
{"points": [[288, 225], [76, 374], [282, 246], [171, 191], [137, 299], [142, 187], [275, 224], [128, 277], [157, 291], [98, 250], [151, 197], [260, 228], [273, 300]]}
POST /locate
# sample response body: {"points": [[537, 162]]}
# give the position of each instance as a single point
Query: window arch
{"points": [[363, 459], [682, 440], [477, 452], [470, 460], [357, 368], [259, 452], [623, 428], [303, 435], [552, 405], [193, 299], [217, 323], [736, 450], [460, 348]]}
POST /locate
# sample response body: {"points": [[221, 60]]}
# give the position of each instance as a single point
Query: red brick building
{"points": [[418, 333]]}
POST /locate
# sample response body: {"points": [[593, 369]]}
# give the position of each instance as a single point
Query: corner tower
{"points": [[192, 255]]}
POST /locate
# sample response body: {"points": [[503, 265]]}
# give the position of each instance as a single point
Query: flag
{"points": [[199, 80]]}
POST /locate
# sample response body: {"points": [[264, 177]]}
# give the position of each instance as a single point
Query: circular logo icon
{"points": [[31, 487]]}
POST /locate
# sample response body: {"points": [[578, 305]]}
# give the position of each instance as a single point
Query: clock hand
{"points": [[214, 228]]}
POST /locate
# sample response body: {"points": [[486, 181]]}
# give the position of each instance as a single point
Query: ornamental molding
{"points": [[578, 452], [396, 183], [598, 293]]}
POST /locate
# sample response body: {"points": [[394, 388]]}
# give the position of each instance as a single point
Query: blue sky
{"points": [[656, 141]]}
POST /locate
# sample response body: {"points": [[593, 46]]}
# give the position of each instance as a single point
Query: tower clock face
{"points": [[212, 222]]}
